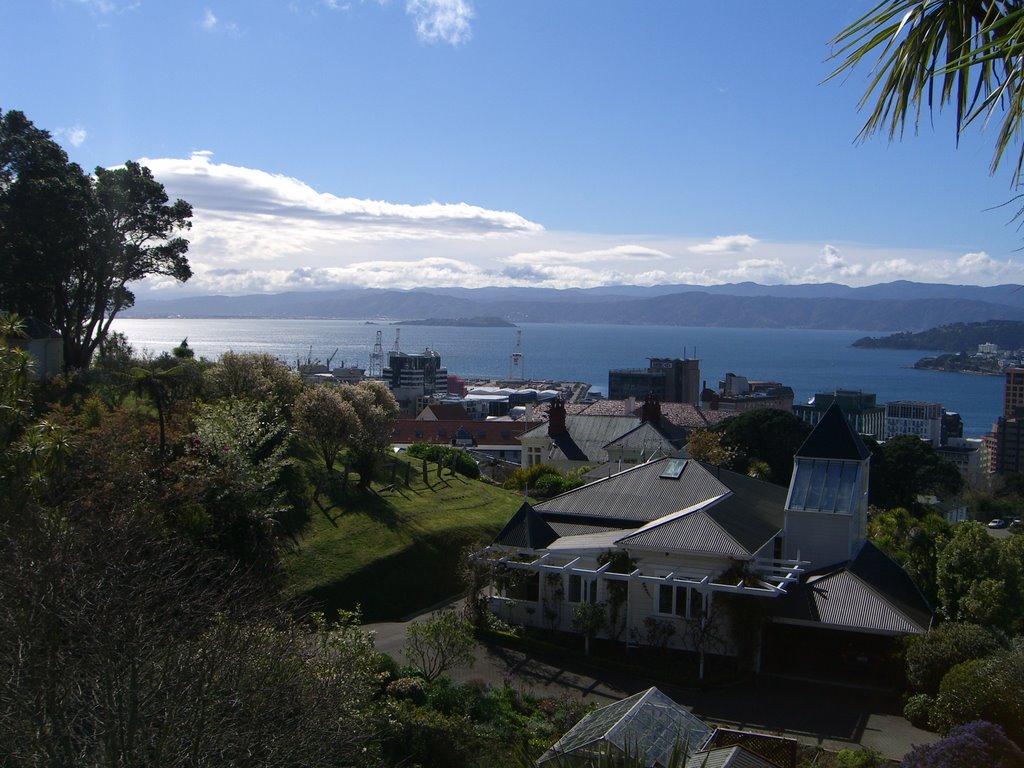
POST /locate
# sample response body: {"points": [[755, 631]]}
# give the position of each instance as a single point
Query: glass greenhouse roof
{"points": [[648, 724]]}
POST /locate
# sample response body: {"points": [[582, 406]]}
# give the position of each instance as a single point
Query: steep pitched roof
{"points": [[833, 438], [526, 530]]}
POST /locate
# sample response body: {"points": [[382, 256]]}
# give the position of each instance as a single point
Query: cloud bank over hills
{"points": [[261, 232]]}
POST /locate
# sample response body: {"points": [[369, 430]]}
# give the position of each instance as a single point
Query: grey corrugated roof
{"points": [[871, 593], [644, 437], [692, 532], [754, 513], [526, 530], [728, 757], [637, 494], [833, 438]]}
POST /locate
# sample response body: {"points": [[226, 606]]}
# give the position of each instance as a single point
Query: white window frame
{"points": [[587, 589], [689, 606]]}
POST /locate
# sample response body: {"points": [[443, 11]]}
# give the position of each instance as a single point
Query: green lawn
{"points": [[394, 550]]}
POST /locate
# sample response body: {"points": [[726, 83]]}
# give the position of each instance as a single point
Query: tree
{"points": [[707, 445], [72, 244], [767, 435], [376, 410], [326, 420], [439, 643], [253, 376], [904, 467], [984, 689], [973, 584], [589, 619], [959, 53]]}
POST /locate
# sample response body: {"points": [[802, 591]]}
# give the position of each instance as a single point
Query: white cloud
{"points": [[768, 271], [444, 20], [336, 5], [209, 21], [75, 135], [725, 244], [616, 253]]}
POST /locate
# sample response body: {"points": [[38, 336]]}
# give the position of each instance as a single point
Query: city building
{"points": [[413, 378], [911, 417], [862, 411], [1006, 441], [667, 380], [737, 394], [1013, 392]]}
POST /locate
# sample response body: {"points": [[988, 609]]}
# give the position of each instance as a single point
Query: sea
{"points": [[809, 361]]}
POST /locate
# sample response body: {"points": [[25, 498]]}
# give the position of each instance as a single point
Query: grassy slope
{"points": [[394, 551]]}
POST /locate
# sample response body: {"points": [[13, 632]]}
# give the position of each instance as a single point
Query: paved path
{"points": [[831, 716]]}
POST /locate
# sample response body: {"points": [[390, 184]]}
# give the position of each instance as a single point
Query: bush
{"points": [[918, 710], [977, 743], [984, 689], [931, 656], [408, 689], [860, 758]]}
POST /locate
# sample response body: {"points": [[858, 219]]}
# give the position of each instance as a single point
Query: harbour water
{"points": [[809, 361]]}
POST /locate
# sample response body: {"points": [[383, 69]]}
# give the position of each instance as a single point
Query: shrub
{"points": [[408, 689], [931, 656], [918, 710], [976, 743], [984, 689], [860, 758]]}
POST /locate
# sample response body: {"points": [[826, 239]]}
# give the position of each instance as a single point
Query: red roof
{"points": [[408, 431]]}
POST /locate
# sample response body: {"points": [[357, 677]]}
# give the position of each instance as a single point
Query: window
{"points": [[684, 602], [526, 587], [582, 590]]}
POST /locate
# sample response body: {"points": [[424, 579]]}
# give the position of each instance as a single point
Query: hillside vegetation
{"points": [[394, 551], [956, 337]]}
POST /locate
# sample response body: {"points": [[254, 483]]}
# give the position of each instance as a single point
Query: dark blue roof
{"points": [[833, 438]]}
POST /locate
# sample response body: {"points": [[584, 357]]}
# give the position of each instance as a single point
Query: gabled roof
{"points": [[727, 757], [870, 593], [526, 530], [645, 439], [585, 438], [833, 438], [648, 726], [444, 412]]}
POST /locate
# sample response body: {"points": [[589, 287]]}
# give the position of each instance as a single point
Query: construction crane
{"points": [[515, 360], [377, 359]]}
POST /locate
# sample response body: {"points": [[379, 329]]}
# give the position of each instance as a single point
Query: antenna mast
{"points": [[516, 368]]}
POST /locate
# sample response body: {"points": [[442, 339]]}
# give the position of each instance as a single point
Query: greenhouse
{"points": [[648, 726]]}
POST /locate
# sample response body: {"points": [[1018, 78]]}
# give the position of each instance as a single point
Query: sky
{"points": [[546, 143]]}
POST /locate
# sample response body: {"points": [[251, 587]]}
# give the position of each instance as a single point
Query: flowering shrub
{"points": [[977, 743]]}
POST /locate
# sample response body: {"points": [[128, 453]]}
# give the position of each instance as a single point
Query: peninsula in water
{"points": [[461, 322], [957, 337]]}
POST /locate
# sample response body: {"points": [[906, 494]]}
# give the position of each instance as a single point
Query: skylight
{"points": [[673, 469]]}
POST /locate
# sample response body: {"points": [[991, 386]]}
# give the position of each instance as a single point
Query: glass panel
{"points": [[575, 588], [832, 478], [532, 587], [592, 590], [681, 601], [816, 484], [803, 477], [847, 500], [664, 599], [696, 604]]}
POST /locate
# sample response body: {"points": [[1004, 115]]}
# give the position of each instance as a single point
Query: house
{"points": [[495, 439], [44, 345], [621, 434], [681, 553]]}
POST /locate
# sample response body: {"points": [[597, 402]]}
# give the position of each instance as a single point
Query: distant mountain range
{"points": [[957, 337], [896, 306]]}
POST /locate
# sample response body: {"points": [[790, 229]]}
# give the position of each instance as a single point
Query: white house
{"points": [[661, 545]]}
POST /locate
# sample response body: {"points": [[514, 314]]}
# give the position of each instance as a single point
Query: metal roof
{"points": [[728, 757], [871, 593], [693, 532], [526, 530], [638, 494], [834, 438]]}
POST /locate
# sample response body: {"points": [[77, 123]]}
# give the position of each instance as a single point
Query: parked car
{"points": [[998, 523]]}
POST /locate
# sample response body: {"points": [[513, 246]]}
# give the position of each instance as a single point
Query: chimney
{"points": [[556, 418], [651, 410], [628, 406]]}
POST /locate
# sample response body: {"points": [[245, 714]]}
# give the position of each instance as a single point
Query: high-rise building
{"points": [[415, 377], [861, 410], [668, 380], [911, 417], [1013, 393]]}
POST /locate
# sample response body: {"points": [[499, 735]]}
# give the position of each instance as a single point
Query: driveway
{"points": [[831, 716]]}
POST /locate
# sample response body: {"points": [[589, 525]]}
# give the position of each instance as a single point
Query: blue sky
{"points": [[555, 143]]}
